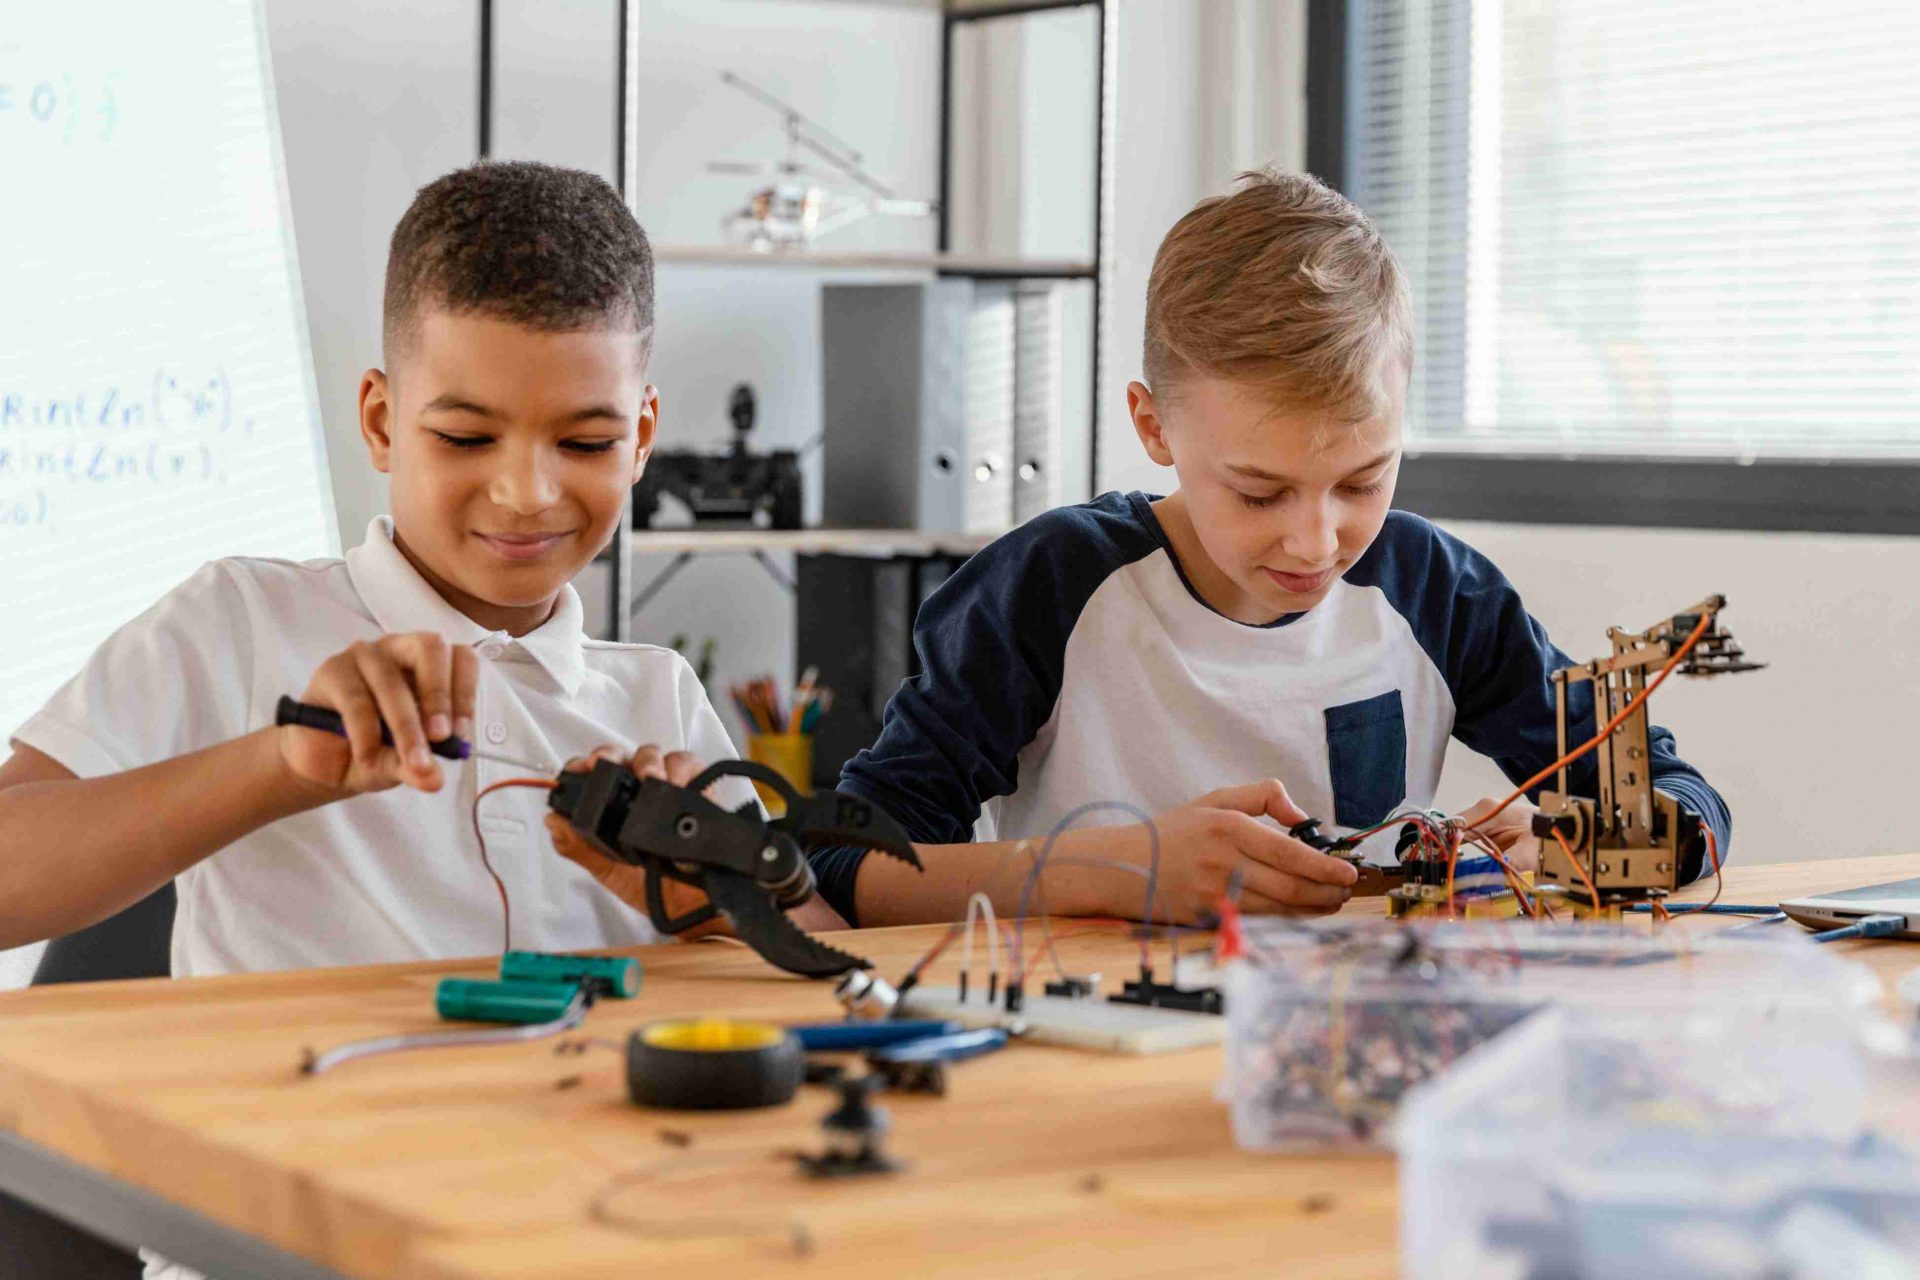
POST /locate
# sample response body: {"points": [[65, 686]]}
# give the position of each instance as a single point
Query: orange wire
{"points": [[1699, 629], [1713, 852], [1520, 791], [1568, 850], [1453, 864], [506, 906], [1485, 842]]}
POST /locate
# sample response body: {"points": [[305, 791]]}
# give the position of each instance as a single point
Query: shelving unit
{"points": [[946, 264], [877, 544], [944, 261]]}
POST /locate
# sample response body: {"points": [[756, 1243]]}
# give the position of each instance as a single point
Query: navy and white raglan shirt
{"points": [[1071, 661]]}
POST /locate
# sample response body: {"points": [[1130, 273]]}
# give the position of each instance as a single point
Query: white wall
{"points": [[1205, 91], [375, 101], [555, 91]]}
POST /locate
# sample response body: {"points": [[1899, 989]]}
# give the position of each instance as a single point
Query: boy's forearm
{"points": [[889, 892], [80, 849]]}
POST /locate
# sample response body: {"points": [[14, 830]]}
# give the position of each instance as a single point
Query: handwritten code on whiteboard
{"points": [[157, 407]]}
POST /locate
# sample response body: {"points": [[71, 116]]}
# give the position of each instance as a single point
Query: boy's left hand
{"points": [[1511, 832], [629, 883]]}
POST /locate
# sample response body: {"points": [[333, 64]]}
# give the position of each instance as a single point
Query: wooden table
{"points": [[174, 1113]]}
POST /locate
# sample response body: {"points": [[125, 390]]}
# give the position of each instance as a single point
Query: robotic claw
{"points": [[752, 870]]}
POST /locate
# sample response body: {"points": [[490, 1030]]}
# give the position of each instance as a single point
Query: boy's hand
{"points": [[1511, 832], [419, 684], [628, 882], [1205, 843]]}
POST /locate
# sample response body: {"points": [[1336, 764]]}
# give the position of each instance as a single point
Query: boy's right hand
{"points": [[422, 686], [1206, 842]]}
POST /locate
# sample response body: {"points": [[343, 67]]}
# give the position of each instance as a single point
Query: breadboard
{"points": [[1090, 1023]]}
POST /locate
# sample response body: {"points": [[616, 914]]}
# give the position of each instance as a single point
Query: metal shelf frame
{"points": [[953, 14], [952, 17]]}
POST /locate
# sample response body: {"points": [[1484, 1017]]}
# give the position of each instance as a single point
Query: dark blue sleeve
{"points": [[1498, 660], [991, 642]]}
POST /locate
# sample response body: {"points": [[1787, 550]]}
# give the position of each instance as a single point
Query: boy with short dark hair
{"points": [[1270, 619], [512, 418]]}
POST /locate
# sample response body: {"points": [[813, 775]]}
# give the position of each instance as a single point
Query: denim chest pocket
{"points": [[1367, 758]]}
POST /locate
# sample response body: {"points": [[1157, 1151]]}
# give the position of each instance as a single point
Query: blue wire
{"points": [[1711, 909], [1865, 927], [1776, 918]]}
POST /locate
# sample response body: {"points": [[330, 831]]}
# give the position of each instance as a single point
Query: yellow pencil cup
{"points": [[788, 754]]}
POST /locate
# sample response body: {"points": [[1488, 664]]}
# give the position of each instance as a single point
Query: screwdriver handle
{"points": [[468, 1000], [308, 716]]}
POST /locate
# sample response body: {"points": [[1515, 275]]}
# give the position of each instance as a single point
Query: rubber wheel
{"points": [[713, 1065]]}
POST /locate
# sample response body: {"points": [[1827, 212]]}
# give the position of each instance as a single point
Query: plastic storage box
{"points": [[1727, 1140], [1330, 1023]]}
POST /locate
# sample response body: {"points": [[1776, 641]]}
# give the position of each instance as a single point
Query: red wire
{"points": [[500, 886], [934, 953]]}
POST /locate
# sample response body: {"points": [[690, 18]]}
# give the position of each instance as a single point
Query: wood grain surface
{"points": [[481, 1163]]}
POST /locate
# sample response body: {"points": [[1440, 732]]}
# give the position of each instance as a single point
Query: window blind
{"points": [[1638, 228]]}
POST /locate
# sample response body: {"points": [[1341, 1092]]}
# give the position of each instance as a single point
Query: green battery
{"points": [[468, 1000], [617, 976]]}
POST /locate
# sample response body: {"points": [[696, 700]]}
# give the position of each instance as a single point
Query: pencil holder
{"points": [[788, 754]]}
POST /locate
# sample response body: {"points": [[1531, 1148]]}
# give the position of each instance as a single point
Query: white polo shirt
{"points": [[395, 875]]}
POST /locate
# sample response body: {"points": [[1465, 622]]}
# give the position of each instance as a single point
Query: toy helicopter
{"points": [[793, 210]]}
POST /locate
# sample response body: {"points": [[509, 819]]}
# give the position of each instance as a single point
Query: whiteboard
{"points": [[157, 403]]}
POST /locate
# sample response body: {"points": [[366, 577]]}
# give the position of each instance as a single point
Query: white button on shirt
{"points": [[395, 875]]}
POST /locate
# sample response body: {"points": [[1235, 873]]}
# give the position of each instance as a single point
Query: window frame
{"points": [[1852, 495]]}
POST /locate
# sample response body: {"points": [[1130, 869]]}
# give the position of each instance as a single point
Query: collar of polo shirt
{"points": [[401, 601]]}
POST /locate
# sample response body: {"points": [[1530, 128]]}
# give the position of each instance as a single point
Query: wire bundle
{"points": [[1032, 893]]}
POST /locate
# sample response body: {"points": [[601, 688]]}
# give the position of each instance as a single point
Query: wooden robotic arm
{"points": [[1630, 844]]}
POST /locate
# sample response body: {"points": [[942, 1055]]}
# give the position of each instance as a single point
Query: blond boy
{"points": [[1270, 619]]}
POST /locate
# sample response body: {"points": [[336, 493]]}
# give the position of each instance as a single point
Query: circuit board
{"points": [[1088, 1022]]}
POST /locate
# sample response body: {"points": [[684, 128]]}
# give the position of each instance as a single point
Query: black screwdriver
{"points": [[327, 720]]}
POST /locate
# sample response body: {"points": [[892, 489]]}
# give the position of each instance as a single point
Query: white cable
{"points": [[979, 904], [575, 1013], [985, 906], [966, 947]]}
